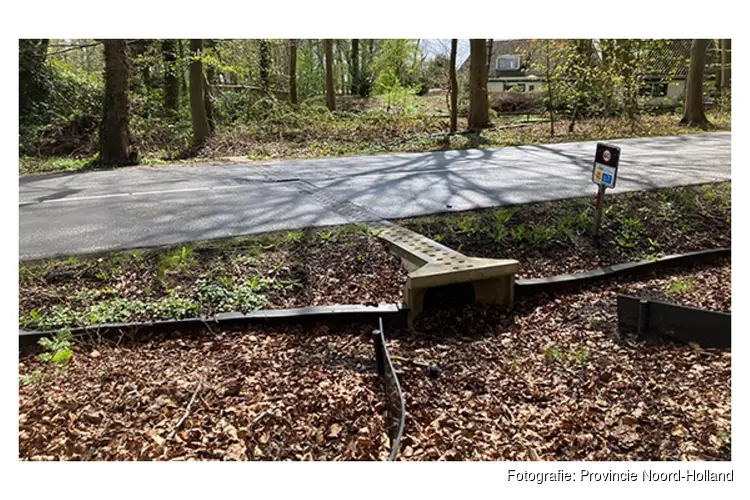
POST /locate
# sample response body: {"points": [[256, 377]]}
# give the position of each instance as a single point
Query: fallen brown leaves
{"points": [[554, 381], [266, 395], [706, 287], [557, 383]]}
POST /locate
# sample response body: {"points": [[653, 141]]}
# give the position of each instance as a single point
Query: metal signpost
{"points": [[605, 175]]}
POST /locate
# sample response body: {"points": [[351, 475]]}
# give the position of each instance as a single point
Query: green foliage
{"points": [[537, 235], [555, 354], [67, 117], [33, 378], [74, 93], [110, 310], [115, 310], [629, 234], [325, 235], [244, 297], [398, 99], [396, 64], [173, 308], [176, 261], [33, 84], [680, 286], [57, 349], [294, 236], [58, 317], [499, 227]]}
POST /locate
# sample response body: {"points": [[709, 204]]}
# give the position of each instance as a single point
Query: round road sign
{"points": [[607, 155]]}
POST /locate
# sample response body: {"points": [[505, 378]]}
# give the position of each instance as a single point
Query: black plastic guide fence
{"points": [[685, 324], [394, 396]]}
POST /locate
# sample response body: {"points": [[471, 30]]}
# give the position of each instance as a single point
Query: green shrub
{"points": [[214, 297], [70, 118], [58, 317], [57, 349]]}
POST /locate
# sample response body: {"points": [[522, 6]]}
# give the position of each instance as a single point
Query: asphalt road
{"points": [[62, 214]]}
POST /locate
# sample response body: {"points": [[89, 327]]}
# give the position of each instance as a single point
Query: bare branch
{"points": [[72, 47]]}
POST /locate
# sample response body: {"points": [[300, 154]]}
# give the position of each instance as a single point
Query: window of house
{"points": [[532, 88], [653, 89], [515, 87], [508, 63]]}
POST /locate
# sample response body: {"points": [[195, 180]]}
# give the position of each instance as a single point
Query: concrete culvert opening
{"points": [[448, 296]]}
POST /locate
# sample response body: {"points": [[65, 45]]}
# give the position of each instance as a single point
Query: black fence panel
{"points": [[394, 396], [682, 323]]}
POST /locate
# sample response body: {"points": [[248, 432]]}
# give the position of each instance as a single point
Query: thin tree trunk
{"points": [[330, 95], [454, 86], [171, 83], [489, 57], [478, 106], [549, 94], [181, 51], [208, 90], [354, 66], [582, 55], [694, 115], [114, 135], [201, 130], [265, 65], [726, 66], [631, 86], [293, 71], [718, 64]]}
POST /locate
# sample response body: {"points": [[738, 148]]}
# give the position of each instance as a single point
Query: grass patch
{"points": [[556, 354], [680, 286]]}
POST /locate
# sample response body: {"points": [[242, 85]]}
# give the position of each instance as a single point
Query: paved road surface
{"points": [[146, 206]]}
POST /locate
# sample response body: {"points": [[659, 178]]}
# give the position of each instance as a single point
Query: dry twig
{"points": [[188, 410]]}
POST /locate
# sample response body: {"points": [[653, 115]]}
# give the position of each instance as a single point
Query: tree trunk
{"points": [[718, 64], [208, 90], [694, 116], [171, 83], [293, 71], [201, 130], [354, 67], [478, 106], [726, 66], [114, 135], [454, 86], [330, 95], [265, 65], [625, 53], [489, 57], [181, 50], [549, 93]]}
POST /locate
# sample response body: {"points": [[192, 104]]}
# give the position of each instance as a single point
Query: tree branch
{"points": [[72, 47]]}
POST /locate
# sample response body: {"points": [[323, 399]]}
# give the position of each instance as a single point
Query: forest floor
{"points": [[553, 381], [359, 127], [350, 265]]}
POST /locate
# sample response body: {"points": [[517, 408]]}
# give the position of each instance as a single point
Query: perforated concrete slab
{"points": [[434, 265]]}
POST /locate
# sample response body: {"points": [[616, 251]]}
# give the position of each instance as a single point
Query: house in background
{"points": [[517, 65]]}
